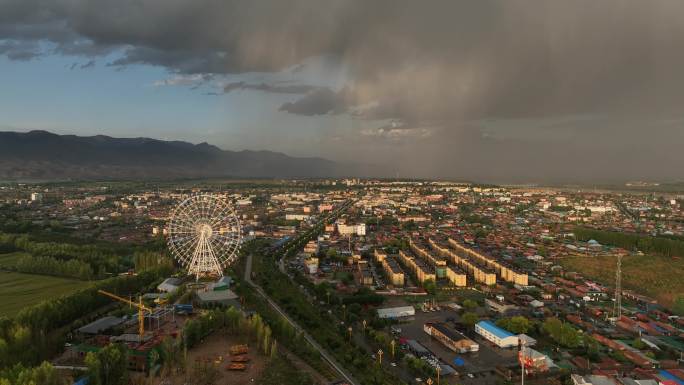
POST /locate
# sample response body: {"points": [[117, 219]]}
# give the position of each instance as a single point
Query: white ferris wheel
{"points": [[204, 234]]}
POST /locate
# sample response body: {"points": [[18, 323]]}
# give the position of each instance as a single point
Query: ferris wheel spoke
{"points": [[200, 207], [219, 217], [211, 210], [206, 203], [192, 245]]}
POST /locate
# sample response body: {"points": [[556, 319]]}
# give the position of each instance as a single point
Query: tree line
{"points": [[51, 266], [97, 256], [648, 244], [150, 260], [45, 374]]}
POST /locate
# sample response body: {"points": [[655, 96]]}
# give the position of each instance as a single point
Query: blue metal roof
{"points": [[497, 331], [669, 376]]}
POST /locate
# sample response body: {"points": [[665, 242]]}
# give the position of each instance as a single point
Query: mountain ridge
{"points": [[44, 155]]}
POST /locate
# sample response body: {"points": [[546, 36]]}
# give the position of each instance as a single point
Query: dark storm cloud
{"points": [[438, 65], [418, 60]]}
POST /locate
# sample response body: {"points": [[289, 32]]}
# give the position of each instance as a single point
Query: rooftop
{"points": [[497, 331], [101, 325]]}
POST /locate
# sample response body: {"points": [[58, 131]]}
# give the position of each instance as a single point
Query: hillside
{"points": [[44, 155]]}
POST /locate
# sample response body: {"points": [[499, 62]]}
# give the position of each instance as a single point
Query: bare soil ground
{"points": [[213, 352]]}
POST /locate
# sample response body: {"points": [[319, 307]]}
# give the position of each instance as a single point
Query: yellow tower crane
{"points": [[141, 310]]}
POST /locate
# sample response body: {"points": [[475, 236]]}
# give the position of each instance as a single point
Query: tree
{"points": [[469, 304], [108, 366], [331, 254], [172, 355], [430, 286], [562, 333], [638, 343], [45, 374], [678, 307], [517, 324], [469, 319]]}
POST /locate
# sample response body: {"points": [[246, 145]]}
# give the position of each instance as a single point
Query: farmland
{"points": [[657, 277], [9, 259], [19, 290]]}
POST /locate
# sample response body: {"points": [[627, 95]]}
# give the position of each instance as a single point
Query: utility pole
{"points": [[522, 362], [617, 307]]}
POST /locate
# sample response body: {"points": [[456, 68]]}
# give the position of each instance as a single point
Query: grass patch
{"points": [[18, 290], [10, 259], [657, 277], [280, 371]]}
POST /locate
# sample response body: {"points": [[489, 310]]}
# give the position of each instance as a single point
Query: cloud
{"points": [[396, 130], [274, 88], [444, 68], [184, 80], [319, 101], [450, 60], [88, 64], [19, 50]]}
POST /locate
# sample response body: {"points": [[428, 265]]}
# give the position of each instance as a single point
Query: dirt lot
{"points": [[213, 353]]}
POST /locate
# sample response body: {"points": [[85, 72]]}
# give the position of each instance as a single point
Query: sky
{"points": [[504, 91]]}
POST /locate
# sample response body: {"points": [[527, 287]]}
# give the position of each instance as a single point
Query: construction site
{"points": [[148, 322]]}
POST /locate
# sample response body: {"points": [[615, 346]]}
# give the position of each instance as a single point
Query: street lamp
{"points": [[392, 344], [364, 326], [349, 329], [380, 356], [438, 369]]}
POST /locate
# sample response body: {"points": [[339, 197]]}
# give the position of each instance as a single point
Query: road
{"points": [[326, 356]]}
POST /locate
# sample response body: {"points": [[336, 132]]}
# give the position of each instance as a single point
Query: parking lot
{"points": [[480, 364]]}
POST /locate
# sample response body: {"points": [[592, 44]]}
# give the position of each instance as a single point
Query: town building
{"points": [[451, 339], [396, 312], [394, 272], [350, 229], [500, 337]]}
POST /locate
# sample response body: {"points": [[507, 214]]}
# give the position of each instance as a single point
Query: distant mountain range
{"points": [[46, 156]]}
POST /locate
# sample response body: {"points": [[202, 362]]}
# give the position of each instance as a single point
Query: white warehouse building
{"points": [[397, 312], [500, 337]]}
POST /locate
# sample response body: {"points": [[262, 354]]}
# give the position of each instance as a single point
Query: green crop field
{"points": [[19, 290], [656, 277], [10, 259]]}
